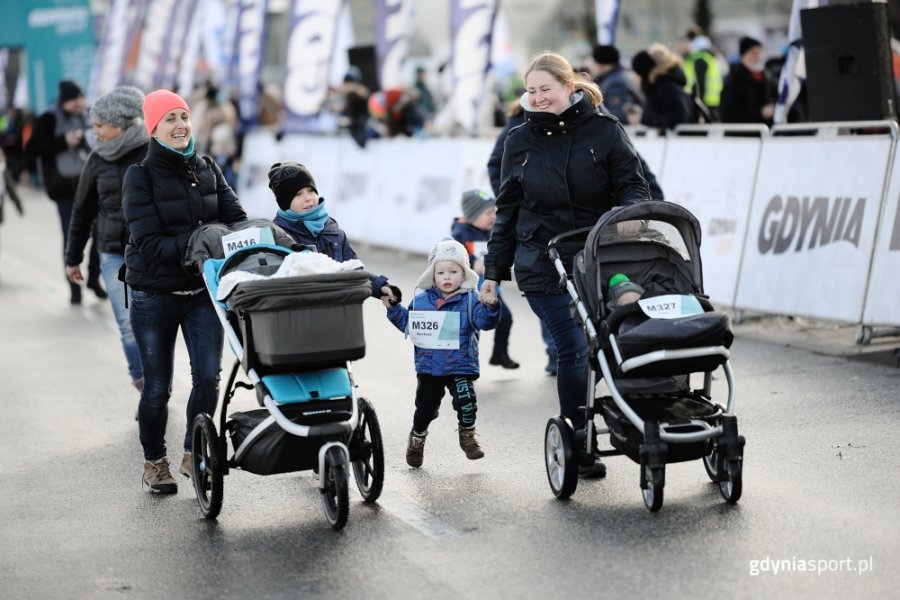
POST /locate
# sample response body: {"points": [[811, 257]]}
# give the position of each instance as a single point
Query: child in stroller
{"points": [[303, 216], [646, 350], [294, 336]]}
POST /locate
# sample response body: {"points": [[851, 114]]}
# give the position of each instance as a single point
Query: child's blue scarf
{"points": [[187, 152], [314, 219]]}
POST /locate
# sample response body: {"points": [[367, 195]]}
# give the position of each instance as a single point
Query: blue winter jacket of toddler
{"points": [[473, 315]]}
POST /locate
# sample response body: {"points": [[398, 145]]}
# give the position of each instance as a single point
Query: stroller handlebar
{"points": [[575, 237]]}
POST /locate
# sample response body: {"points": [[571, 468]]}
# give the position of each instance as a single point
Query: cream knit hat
{"points": [[449, 249]]}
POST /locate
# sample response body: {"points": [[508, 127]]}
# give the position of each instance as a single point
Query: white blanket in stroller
{"points": [[295, 264]]}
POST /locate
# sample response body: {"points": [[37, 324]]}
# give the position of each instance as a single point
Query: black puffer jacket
{"points": [[165, 198], [667, 103], [99, 196], [559, 172]]}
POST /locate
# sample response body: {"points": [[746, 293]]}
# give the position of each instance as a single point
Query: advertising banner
{"points": [[607, 16], [713, 178], [310, 52], [393, 21], [883, 295], [812, 225], [117, 44], [58, 39], [471, 25], [249, 51], [148, 72], [182, 43]]}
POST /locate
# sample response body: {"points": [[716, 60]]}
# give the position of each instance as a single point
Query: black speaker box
{"points": [[363, 58], [848, 62]]}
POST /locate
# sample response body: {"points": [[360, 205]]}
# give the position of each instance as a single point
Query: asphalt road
{"points": [[821, 477]]}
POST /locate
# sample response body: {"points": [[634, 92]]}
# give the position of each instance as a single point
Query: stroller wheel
{"points": [[335, 497], [730, 479], [652, 489], [208, 461], [653, 466], [559, 456], [731, 490], [367, 453], [724, 462], [711, 462]]}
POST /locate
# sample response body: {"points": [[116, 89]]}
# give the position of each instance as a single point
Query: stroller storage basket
{"points": [[274, 450], [300, 322], [627, 439]]}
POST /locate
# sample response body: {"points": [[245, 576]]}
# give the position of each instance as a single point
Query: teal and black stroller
{"points": [[294, 339]]}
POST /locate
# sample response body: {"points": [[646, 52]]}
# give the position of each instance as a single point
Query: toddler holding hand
{"points": [[443, 322]]}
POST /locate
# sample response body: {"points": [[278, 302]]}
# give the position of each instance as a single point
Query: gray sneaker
{"points": [[187, 465], [469, 443], [415, 449], [158, 478]]}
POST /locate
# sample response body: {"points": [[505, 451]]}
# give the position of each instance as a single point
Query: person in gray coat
{"points": [[122, 141]]}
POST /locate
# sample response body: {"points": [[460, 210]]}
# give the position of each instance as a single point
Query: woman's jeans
{"points": [[548, 341], [155, 320], [110, 263], [554, 311]]}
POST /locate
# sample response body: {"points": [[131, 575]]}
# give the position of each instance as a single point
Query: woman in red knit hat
{"points": [[171, 193]]}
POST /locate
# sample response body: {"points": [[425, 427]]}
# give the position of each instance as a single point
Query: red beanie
{"points": [[158, 103]]}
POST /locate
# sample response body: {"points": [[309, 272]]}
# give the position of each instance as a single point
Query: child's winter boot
{"points": [[469, 443]]}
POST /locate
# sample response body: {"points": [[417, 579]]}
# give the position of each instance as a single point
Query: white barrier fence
{"points": [[802, 220]]}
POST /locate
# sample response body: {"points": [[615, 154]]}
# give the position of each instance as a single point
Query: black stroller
{"points": [[294, 338], [646, 352]]}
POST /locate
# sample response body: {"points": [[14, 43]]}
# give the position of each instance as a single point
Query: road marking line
{"points": [[415, 517]]}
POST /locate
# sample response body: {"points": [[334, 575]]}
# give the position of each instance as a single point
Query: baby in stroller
{"points": [[636, 282]]}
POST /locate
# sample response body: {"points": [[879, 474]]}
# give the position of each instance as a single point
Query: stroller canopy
{"points": [[655, 243]]}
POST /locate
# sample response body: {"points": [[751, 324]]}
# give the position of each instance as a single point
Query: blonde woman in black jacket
{"points": [[166, 197], [563, 168]]}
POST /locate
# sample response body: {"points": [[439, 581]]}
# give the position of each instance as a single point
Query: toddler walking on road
{"points": [[443, 322]]}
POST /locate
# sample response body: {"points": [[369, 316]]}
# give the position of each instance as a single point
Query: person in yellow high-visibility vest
{"points": [[701, 67]]}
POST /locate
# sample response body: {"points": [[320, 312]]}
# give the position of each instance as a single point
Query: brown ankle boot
{"points": [[469, 443], [415, 450]]}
